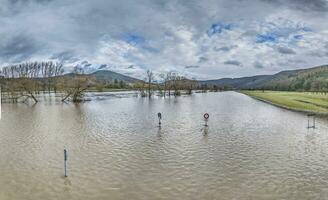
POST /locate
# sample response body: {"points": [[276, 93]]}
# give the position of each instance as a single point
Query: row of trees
{"points": [[23, 82], [171, 83], [33, 70], [30, 71]]}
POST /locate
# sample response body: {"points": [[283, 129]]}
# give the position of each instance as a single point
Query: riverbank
{"points": [[307, 102]]}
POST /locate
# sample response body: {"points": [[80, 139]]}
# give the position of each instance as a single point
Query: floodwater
{"points": [[250, 150]]}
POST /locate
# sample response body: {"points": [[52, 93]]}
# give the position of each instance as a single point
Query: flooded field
{"points": [[250, 150]]}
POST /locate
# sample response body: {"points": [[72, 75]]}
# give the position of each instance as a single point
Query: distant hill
{"points": [[239, 83], [315, 79], [109, 76], [106, 75], [304, 79]]}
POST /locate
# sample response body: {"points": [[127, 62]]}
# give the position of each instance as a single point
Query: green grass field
{"points": [[300, 101]]}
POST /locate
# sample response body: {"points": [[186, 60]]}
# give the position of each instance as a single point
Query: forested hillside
{"points": [[312, 79]]}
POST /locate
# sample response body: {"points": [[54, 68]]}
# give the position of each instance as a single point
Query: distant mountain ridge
{"points": [[108, 76], [315, 78]]}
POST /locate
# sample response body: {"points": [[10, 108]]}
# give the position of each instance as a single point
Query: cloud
{"points": [[218, 28], [191, 66], [118, 34], [304, 5], [258, 65], [281, 30], [202, 59], [103, 66], [17, 48], [285, 50], [65, 57], [232, 62], [225, 48]]}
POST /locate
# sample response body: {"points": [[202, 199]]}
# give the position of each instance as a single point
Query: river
{"points": [[250, 150]]}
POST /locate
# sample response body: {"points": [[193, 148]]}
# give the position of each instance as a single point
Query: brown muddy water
{"points": [[250, 150]]}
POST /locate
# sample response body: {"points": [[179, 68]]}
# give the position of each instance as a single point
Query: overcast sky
{"points": [[205, 39]]}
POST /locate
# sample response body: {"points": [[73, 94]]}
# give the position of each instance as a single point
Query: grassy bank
{"points": [[298, 101]]}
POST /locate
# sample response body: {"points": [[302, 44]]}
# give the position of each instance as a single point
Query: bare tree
{"points": [[175, 82], [21, 80], [189, 85], [49, 70], [140, 85], [150, 77], [166, 83], [58, 71], [76, 86]]}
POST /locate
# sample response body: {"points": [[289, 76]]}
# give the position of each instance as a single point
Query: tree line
{"points": [[169, 84], [311, 81], [25, 81]]}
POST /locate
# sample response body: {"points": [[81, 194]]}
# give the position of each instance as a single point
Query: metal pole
{"points": [[206, 116], [313, 121], [65, 160], [159, 115]]}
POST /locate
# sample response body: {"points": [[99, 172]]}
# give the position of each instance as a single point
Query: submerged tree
{"points": [[21, 80], [189, 85], [75, 86], [150, 77], [27, 78], [166, 78], [140, 86]]}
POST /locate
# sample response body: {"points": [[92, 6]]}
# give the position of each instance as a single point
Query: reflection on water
{"points": [[250, 150]]}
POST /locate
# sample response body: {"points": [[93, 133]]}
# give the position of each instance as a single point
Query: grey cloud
{"points": [[326, 45], [18, 48], [103, 66], [233, 62], [250, 33], [225, 48], [285, 50], [202, 59], [258, 65], [28, 1], [323, 52], [72, 31], [65, 57], [191, 66], [305, 5]]}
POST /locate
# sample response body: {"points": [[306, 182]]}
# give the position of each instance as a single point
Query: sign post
{"points": [[159, 115], [206, 116]]}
